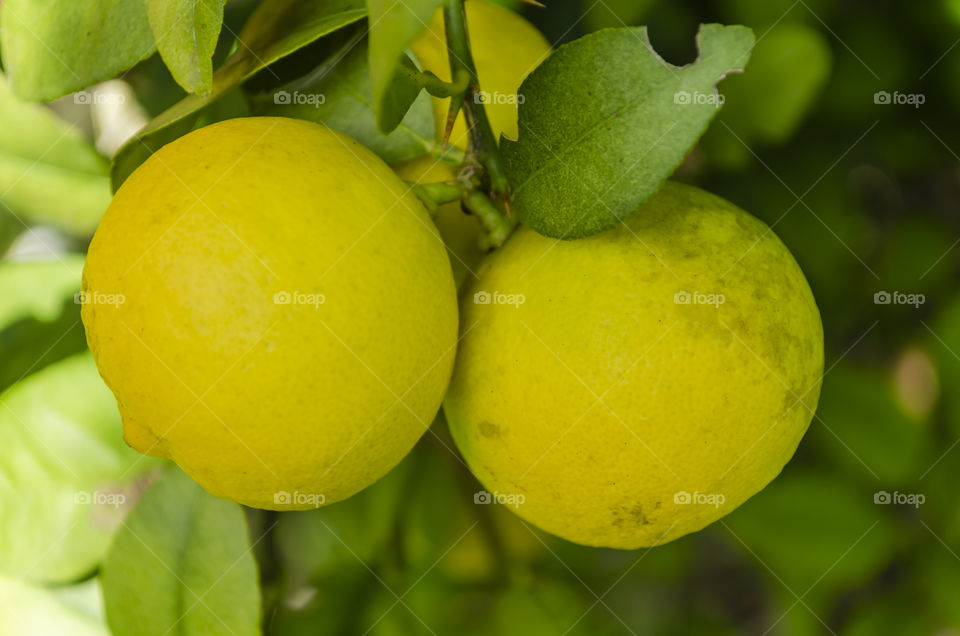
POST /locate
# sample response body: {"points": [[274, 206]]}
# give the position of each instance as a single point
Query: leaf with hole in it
{"points": [[337, 94], [393, 28], [48, 172], [186, 33], [604, 121], [54, 47], [276, 29], [182, 564]]}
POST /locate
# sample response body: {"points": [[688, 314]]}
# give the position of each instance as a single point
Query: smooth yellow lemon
{"points": [[506, 48], [634, 386], [273, 310]]}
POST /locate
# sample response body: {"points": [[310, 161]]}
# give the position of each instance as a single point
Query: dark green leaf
{"points": [[186, 32], [48, 172], [182, 564], [54, 47], [67, 475], [338, 95], [393, 28], [276, 29], [604, 121]]}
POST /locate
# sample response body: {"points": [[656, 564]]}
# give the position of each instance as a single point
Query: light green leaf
{"points": [[66, 477], [48, 172], [337, 94], [276, 29], [604, 121], [55, 47], [37, 610], [182, 564], [39, 320], [393, 28], [186, 33]]}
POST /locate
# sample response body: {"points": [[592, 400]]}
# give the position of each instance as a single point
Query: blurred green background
{"points": [[823, 138]]}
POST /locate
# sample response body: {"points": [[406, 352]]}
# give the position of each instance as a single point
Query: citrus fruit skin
{"points": [[289, 318], [505, 47], [460, 231], [591, 388]]}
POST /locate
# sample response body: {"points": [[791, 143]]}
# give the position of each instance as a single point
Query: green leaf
{"points": [[66, 477], [44, 611], [55, 47], [340, 97], [48, 172], [186, 33], [182, 564], [39, 320], [604, 121], [276, 29], [393, 28]]}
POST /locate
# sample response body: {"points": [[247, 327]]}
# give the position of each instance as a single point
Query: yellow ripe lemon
{"points": [[634, 386], [505, 47], [460, 231], [273, 311]]}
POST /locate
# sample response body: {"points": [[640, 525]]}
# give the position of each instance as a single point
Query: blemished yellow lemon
{"points": [[505, 47], [634, 386], [273, 311]]}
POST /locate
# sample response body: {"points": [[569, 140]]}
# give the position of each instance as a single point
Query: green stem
{"points": [[498, 226], [483, 143], [436, 86]]}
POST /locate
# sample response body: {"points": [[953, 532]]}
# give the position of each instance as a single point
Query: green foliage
{"points": [[48, 172], [73, 610], [54, 47], [276, 29], [393, 28], [597, 139], [68, 478], [182, 562], [337, 94], [39, 319], [186, 34]]}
